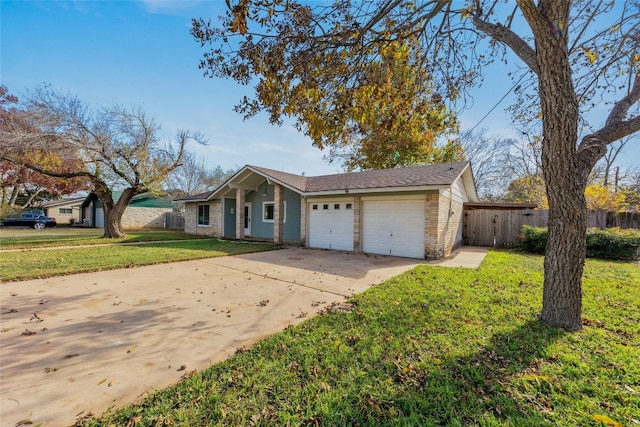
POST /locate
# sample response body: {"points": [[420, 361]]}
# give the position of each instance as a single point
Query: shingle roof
{"points": [[417, 176], [195, 197], [298, 182]]}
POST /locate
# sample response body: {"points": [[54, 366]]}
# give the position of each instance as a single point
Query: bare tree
{"points": [[488, 156], [118, 148], [193, 177]]}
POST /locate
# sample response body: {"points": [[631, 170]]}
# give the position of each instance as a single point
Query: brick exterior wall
{"points": [[443, 224], [215, 219], [144, 217], [356, 224], [431, 226], [303, 220]]}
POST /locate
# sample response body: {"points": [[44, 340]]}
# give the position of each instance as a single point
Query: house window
{"points": [[269, 212], [203, 215], [65, 210], [348, 206], [336, 206], [325, 207], [315, 207]]}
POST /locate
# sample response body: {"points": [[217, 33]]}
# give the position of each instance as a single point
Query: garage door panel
{"points": [[331, 228], [393, 227]]}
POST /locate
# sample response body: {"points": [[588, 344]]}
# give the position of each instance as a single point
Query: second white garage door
{"points": [[331, 225], [393, 227]]}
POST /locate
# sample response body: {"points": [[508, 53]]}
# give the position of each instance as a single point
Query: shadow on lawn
{"points": [[475, 389]]}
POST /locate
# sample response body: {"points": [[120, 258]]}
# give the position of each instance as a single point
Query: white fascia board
{"points": [[359, 191]]}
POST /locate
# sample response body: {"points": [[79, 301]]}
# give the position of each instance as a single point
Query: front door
{"points": [[247, 219]]}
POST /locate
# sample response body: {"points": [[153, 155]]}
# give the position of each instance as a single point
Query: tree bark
{"points": [[113, 223], [566, 244], [113, 212]]}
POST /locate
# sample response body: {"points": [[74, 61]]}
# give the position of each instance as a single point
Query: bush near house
{"points": [[612, 243]]}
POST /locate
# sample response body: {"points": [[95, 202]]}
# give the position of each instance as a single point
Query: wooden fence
{"points": [[500, 228], [174, 220]]}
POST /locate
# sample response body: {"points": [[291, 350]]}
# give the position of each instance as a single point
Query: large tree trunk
{"points": [[113, 212], [566, 244], [113, 223], [565, 251]]}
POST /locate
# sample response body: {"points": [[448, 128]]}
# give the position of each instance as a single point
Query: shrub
{"points": [[612, 243], [533, 239]]}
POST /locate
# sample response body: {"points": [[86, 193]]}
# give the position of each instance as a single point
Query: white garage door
{"points": [[99, 218], [331, 225], [393, 227]]}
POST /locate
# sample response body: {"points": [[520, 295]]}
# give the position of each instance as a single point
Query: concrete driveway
{"points": [[77, 345]]}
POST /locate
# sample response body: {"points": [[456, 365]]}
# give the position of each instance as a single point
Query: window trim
{"points": [[264, 211], [67, 211], [208, 215]]}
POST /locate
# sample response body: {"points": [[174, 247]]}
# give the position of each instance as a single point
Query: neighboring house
{"points": [[412, 212], [144, 210], [65, 211]]}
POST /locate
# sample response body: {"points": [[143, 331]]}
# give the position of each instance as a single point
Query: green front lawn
{"points": [[434, 346], [32, 264], [27, 238]]}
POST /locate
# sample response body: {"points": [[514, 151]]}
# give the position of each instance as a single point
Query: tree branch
{"points": [[507, 36]]}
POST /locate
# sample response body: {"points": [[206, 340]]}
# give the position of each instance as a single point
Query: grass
{"points": [[30, 264], [434, 346], [26, 238]]}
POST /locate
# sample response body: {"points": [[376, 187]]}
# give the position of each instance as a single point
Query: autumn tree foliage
{"points": [[388, 114], [569, 56], [111, 147], [21, 186]]}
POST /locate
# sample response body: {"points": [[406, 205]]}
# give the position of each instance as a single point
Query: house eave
{"points": [[377, 190]]}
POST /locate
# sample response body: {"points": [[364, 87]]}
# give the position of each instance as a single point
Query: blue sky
{"points": [[140, 53]]}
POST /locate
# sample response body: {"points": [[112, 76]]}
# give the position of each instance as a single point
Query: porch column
{"points": [[278, 213], [239, 213]]}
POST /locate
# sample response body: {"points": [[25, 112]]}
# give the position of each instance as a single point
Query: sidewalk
{"points": [[466, 256]]}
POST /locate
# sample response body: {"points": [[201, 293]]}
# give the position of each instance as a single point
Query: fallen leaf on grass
{"points": [[134, 421], [607, 421], [534, 377]]}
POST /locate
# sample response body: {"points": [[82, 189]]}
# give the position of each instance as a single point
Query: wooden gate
{"points": [[499, 228]]}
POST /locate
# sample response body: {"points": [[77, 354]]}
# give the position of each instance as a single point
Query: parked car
{"points": [[30, 219]]}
